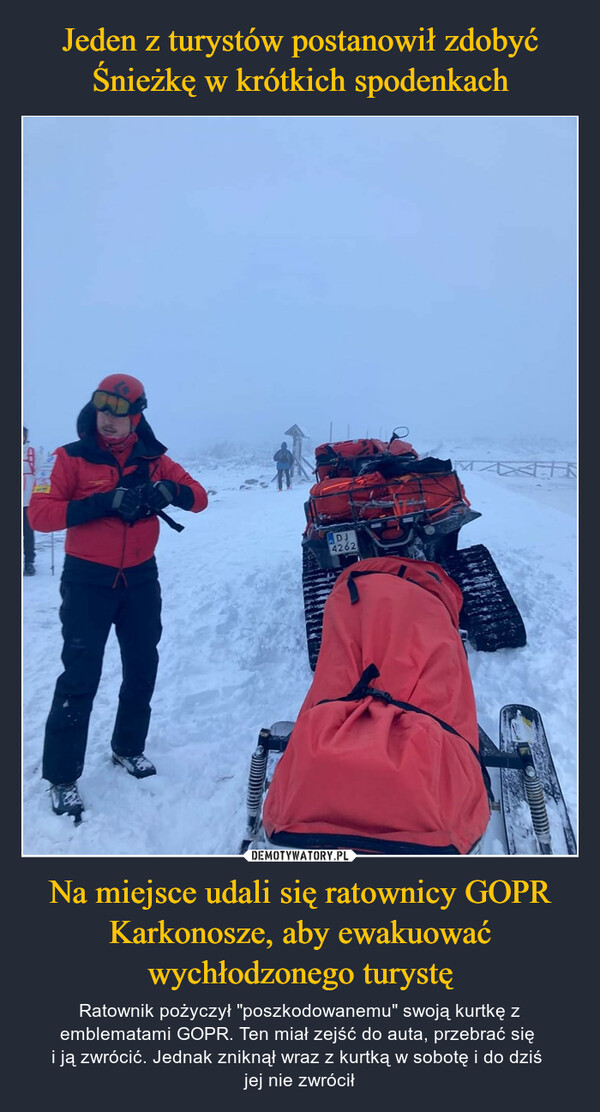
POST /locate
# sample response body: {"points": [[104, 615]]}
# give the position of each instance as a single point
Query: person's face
{"points": [[112, 427]]}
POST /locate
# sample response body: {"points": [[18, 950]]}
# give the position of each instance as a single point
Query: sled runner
{"points": [[534, 810]]}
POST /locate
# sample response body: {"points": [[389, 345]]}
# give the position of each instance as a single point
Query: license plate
{"points": [[344, 542]]}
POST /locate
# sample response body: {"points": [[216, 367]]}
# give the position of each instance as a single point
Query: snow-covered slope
{"points": [[233, 655]]}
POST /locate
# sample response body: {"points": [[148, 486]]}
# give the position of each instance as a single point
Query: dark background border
{"points": [[55, 956]]}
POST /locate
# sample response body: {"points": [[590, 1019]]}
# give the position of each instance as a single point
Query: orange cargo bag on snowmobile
{"points": [[337, 458], [343, 458], [384, 755], [344, 499], [399, 447], [434, 493]]}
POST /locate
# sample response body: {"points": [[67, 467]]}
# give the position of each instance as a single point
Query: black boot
{"points": [[66, 800], [140, 766], [29, 569]]}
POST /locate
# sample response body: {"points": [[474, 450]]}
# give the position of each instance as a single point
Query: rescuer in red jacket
{"points": [[107, 490]]}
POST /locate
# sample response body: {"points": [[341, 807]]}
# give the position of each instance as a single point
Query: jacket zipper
{"points": [[120, 571]]}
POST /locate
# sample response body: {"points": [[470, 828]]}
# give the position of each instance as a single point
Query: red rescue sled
{"points": [[384, 755]]}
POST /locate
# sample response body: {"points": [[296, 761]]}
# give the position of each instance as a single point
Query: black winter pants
{"points": [[280, 474], [87, 613], [28, 540]]}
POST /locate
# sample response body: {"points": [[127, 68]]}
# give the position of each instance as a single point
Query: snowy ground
{"points": [[233, 654]]}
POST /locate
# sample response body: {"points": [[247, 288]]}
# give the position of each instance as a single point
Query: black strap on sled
{"points": [[359, 844], [363, 690], [353, 589], [400, 574]]}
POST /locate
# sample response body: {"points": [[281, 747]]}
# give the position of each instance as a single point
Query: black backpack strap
{"points": [[141, 477], [169, 521]]}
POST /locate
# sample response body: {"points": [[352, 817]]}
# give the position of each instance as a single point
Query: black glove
{"points": [[127, 502], [158, 495], [82, 510]]}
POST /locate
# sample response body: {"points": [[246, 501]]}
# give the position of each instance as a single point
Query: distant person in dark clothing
{"points": [[284, 460], [108, 490], [28, 483]]}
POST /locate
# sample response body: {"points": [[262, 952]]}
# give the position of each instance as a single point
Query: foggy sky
{"points": [[260, 271]]}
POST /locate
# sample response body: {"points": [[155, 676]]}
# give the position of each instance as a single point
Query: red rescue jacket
{"points": [[365, 768], [84, 468]]}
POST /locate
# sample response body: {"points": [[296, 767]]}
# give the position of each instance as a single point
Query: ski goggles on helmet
{"points": [[115, 404]]}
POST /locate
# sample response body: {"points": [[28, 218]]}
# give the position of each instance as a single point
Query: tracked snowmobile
{"points": [[374, 499], [386, 755]]}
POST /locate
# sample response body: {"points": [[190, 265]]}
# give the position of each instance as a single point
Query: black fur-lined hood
{"points": [[147, 443]]}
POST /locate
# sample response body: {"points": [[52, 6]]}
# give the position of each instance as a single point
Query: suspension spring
{"points": [[256, 784], [537, 805]]}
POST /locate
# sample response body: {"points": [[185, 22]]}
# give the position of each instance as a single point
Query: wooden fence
{"points": [[547, 469]]}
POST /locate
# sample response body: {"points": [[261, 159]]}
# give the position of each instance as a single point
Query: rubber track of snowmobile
{"points": [[317, 583], [489, 613]]}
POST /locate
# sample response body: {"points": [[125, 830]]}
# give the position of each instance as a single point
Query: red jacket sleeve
{"points": [[168, 469], [47, 509]]}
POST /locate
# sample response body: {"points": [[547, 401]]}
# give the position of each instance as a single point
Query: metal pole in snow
{"points": [[52, 552]]}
